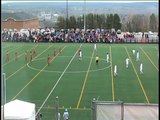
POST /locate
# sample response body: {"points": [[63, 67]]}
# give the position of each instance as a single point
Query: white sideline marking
{"points": [[56, 83]]}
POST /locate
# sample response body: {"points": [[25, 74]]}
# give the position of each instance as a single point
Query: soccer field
{"points": [[76, 82]]}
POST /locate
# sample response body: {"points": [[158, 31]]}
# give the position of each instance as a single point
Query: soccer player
{"points": [[34, 52], [16, 55], [95, 46], [137, 56], [26, 56], [66, 115], [107, 59], [78, 51], [115, 70], [59, 49], [49, 59], [97, 59], [133, 51], [31, 57], [54, 52], [7, 56], [80, 55], [127, 62], [59, 116], [141, 68]]}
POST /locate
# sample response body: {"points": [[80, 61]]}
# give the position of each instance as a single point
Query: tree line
{"points": [[134, 23], [141, 23], [92, 21]]}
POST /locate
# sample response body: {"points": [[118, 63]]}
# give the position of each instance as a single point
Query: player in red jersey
{"points": [[31, 57], [79, 52], [34, 52], [26, 56], [7, 56], [16, 55], [54, 52], [49, 59]]}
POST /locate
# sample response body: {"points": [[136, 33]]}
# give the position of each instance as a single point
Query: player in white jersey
{"points": [[127, 62], [115, 70], [137, 56], [59, 116], [95, 46], [80, 55], [107, 58], [66, 115], [141, 68], [133, 51]]}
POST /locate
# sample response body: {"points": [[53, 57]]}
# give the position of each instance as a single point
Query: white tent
{"points": [[19, 110]]}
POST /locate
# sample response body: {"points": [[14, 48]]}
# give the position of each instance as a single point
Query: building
{"points": [[46, 16], [19, 21], [12, 23]]}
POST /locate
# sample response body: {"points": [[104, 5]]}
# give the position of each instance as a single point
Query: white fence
{"points": [[124, 111]]}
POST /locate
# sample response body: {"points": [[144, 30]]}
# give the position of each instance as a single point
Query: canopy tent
{"points": [[19, 110]]}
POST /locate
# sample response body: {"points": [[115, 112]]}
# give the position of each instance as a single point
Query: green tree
{"points": [[80, 22], [116, 22], [72, 22], [99, 21], [89, 20], [103, 21], [61, 22], [95, 21], [109, 23]]}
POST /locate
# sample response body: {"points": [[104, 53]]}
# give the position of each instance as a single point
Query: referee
{"points": [[97, 59]]}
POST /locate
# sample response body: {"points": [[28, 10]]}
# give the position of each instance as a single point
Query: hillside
{"points": [[74, 7]]}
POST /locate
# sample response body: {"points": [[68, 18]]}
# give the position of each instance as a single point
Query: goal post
{"points": [[57, 117]]}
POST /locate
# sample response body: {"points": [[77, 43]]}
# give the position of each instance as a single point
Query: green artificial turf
{"points": [[77, 82]]}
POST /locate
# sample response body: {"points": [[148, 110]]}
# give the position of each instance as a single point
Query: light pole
{"points": [[4, 88], [84, 15], [3, 95], [57, 108], [66, 14]]}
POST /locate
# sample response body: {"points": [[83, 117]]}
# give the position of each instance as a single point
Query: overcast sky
{"points": [[113, 1]]}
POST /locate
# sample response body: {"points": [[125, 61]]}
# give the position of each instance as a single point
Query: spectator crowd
{"points": [[69, 35]]}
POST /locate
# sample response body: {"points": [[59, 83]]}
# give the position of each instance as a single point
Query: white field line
{"points": [[70, 72], [57, 82], [33, 78], [5, 47], [14, 48], [8, 49]]}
